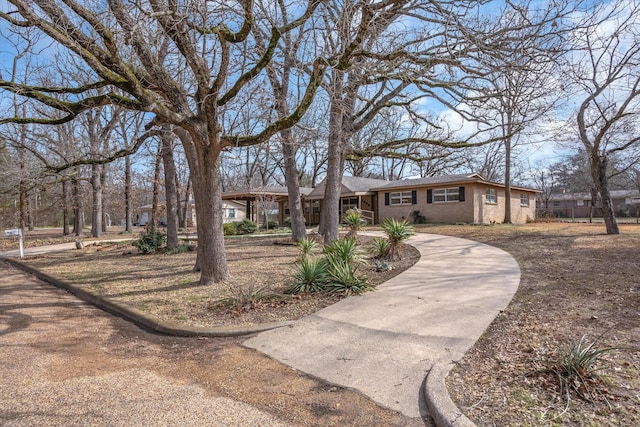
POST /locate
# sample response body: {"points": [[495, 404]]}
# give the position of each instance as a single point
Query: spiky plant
{"points": [[306, 247], [354, 221], [397, 232], [309, 275]]}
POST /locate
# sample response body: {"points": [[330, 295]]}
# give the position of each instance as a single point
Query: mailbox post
{"points": [[17, 232]]}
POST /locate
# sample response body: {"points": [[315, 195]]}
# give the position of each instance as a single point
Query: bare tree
{"points": [[604, 68], [186, 63]]}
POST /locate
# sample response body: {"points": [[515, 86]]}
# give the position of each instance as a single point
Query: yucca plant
{"points": [[397, 232], [345, 249], [576, 369], [309, 275], [306, 247], [354, 221], [344, 278], [380, 247]]}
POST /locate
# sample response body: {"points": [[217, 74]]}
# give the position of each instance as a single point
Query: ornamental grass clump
{"points": [[337, 272], [346, 249]]}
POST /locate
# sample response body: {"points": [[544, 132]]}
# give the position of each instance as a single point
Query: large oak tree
{"points": [[195, 65]]}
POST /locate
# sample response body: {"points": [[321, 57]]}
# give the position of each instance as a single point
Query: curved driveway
{"points": [[384, 343]]}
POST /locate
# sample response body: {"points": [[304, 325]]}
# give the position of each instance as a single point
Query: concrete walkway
{"points": [[385, 342]]}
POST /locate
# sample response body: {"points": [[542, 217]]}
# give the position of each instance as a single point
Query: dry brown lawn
{"points": [[576, 282], [166, 287]]}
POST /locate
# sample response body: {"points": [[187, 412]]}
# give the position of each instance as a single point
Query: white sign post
{"points": [[17, 232]]}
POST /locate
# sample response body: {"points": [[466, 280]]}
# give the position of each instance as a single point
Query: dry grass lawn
{"points": [[576, 281]]}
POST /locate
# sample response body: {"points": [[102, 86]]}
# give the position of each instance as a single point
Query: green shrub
{"points": [[309, 275], [346, 250], [417, 217], [246, 226], [272, 225], [354, 221], [229, 229], [397, 232], [382, 265], [344, 278], [150, 242]]}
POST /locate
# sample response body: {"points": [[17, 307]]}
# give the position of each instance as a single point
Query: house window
{"points": [[491, 196], [446, 195], [524, 199], [231, 213], [579, 202], [400, 198], [556, 204]]}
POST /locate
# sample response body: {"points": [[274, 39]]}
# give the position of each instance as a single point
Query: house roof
{"points": [[351, 186], [456, 179], [615, 194], [271, 191], [432, 180]]}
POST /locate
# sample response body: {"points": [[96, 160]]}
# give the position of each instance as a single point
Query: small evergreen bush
{"points": [[246, 226], [229, 229], [151, 242]]}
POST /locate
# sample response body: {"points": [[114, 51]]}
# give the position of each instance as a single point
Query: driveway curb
{"points": [[141, 319], [441, 408]]}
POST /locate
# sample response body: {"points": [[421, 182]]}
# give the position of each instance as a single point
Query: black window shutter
{"points": [[386, 199], [461, 194], [429, 196], [414, 197]]}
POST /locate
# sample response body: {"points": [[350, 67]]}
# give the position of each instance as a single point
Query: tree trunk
{"points": [[65, 208], [128, 212], [335, 166], [184, 221], [296, 210], [96, 209], [171, 191], [507, 181], [599, 176], [78, 223], [103, 180], [30, 224], [206, 179], [152, 227]]}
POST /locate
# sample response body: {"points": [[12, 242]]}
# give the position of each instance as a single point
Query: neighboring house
{"points": [[579, 205], [270, 200], [454, 198], [233, 211]]}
